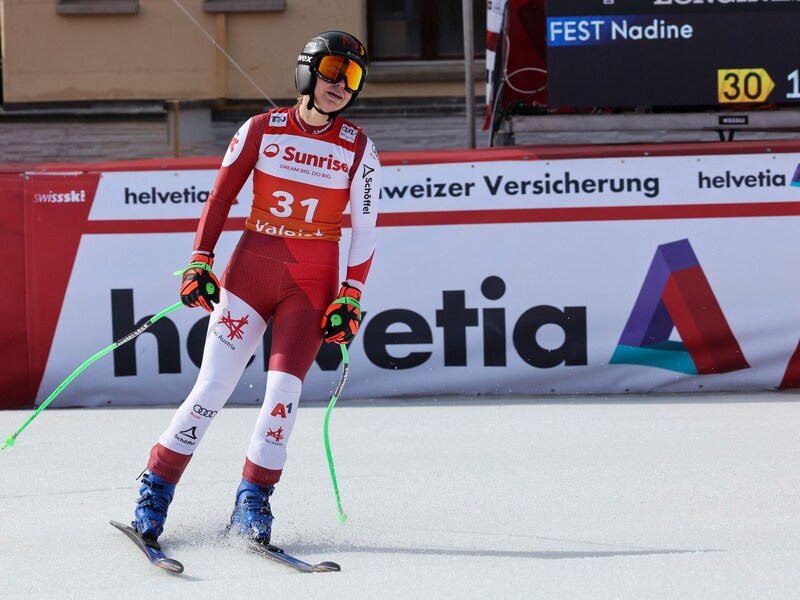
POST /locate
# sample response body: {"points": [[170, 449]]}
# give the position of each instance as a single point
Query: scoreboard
{"points": [[688, 53]]}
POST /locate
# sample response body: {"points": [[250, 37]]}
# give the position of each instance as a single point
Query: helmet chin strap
{"points": [[310, 106]]}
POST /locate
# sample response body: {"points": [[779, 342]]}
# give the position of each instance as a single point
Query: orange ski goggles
{"points": [[333, 69]]}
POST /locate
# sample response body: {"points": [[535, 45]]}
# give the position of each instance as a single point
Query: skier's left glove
{"points": [[341, 319], [200, 286]]}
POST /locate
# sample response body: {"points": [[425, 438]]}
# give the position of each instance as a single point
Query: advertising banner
{"points": [[18, 386], [496, 274]]}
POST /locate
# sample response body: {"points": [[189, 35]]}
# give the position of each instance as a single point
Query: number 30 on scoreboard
{"points": [[744, 85], [751, 85]]}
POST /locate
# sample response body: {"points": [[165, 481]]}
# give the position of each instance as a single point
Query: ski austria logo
{"points": [[676, 294], [235, 329], [276, 435], [235, 326]]}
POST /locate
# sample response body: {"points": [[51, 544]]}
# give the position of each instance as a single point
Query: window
{"points": [[97, 7], [230, 6], [422, 29]]}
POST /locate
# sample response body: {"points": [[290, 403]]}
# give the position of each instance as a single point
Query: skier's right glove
{"points": [[341, 319], [200, 286]]}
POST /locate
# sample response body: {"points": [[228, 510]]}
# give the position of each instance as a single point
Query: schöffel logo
{"points": [[69, 197], [365, 175], [187, 436], [677, 295]]}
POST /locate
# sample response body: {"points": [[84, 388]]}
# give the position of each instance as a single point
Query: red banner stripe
{"points": [[508, 215]]}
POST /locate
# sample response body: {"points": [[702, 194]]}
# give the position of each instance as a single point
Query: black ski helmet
{"points": [[337, 43]]}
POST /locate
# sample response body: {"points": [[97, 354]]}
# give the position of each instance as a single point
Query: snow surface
{"points": [[630, 497]]}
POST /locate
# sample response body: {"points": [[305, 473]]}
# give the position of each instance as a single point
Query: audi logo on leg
{"points": [[204, 412]]}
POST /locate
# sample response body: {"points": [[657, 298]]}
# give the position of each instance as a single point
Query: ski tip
{"points": [[151, 549], [169, 564], [326, 567]]}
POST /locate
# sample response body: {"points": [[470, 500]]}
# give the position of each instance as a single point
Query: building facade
{"points": [[77, 51]]}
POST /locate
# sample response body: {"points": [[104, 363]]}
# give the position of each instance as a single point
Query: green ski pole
{"points": [[9, 441], [341, 516]]}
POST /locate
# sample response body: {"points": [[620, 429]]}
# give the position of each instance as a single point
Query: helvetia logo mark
{"points": [[796, 177], [677, 295]]}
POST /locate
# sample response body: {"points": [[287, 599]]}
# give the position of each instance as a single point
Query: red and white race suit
{"points": [[285, 268]]}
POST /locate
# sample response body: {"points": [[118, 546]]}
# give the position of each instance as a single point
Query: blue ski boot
{"points": [[252, 515], [151, 507]]}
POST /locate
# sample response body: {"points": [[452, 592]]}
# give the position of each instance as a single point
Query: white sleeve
{"points": [[364, 191]]}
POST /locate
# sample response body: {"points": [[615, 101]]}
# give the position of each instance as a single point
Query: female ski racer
{"points": [[308, 164]]}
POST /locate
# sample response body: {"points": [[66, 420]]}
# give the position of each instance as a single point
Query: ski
{"points": [[151, 549], [279, 555]]}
